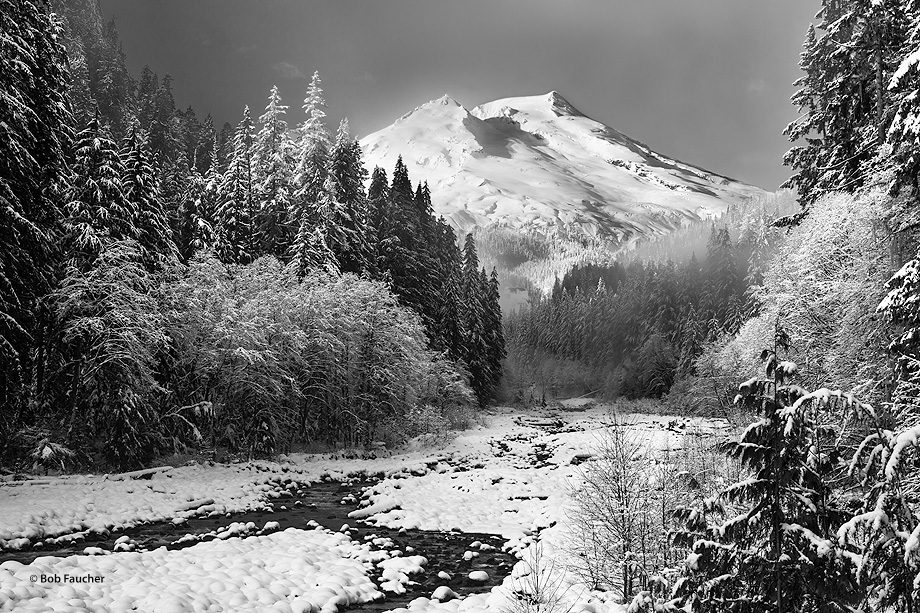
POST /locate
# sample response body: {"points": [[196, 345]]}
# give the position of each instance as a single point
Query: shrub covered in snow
{"points": [[279, 358]]}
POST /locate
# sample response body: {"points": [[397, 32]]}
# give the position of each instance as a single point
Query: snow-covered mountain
{"points": [[538, 162]]}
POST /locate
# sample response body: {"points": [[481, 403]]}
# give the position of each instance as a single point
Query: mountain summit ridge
{"points": [[539, 162]]}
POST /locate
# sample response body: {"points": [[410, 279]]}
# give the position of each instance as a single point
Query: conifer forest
{"points": [[178, 295]]}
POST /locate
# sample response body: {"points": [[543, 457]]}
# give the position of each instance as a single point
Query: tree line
{"points": [[161, 289], [631, 329]]}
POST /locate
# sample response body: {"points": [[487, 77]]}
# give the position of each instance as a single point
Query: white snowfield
{"points": [[538, 162], [291, 571], [485, 480]]}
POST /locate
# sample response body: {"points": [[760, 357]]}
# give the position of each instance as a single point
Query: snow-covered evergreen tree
{"points": [[887, 530], [904, 132], [139, 185], [312, 152], [381, 241], [236, 200], [473, 289], [495, 334], [348, 174], [310, 251], [843, 97], [194, 231], [35, 139], [96, 207], [272, 157], [768, 542]]}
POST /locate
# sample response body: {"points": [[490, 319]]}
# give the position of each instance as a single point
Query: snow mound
{"points": [[315, 571]]}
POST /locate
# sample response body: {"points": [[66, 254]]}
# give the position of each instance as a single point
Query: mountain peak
{"points": [[538, 162], [436, 104], [561, 105], [445, 100]]}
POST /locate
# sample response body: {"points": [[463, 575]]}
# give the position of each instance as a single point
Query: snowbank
{"points": [[290, 571]]}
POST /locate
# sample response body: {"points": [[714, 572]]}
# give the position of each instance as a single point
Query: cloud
{"points": [[245, 49], [366, 77], [288, 70], [756, 87]]}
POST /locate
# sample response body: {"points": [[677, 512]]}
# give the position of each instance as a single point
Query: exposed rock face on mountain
{"points": [[537, 162]]}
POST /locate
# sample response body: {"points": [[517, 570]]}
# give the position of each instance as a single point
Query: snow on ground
{"points": [[68, 507], [510, 477], [290, 571]]}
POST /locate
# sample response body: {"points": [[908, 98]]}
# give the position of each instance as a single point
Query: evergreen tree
{"points": [[147, 91], [447, 332], [194, 232], [210, 195], [310, 251], [235, 199], [348, 174], [110, 81], [272, 158], [225, 146], [494, 327], [767, 543], [474, 287], [80, 96], [312, 155], [205, 145], [842, 97], [332, 223], [904, 131], [164, 139], [96, 207], [35, 138], [381, 242], [408, 262], [142, 195]]}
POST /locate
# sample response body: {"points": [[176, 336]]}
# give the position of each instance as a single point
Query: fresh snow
{"points": [[538, 162], [291, 571], [483, 481]]}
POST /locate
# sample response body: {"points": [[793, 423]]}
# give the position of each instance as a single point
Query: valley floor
{"points": [[510, 477]]}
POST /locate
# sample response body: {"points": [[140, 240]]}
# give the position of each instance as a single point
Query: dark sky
{"points": [[706, 81]]}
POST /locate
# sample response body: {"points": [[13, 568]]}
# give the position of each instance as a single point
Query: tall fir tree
{"points": [[406, 259], [843, 97], [96, 207], [312, 153], [495, 334], [272, 157], [165, 141], [381, 242], [349, 175], [475, 336], [35, 138], [141, 192], [193, 230], [236, 201], [768, 542]]}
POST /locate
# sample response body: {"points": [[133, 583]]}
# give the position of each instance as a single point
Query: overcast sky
{"points": [[705, 81]]}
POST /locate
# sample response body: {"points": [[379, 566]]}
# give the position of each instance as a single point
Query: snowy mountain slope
{"points": [[538, 162]]}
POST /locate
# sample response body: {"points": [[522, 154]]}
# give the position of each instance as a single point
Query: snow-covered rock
{"points": [[480, 576]]}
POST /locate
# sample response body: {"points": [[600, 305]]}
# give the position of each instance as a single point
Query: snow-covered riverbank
{"points": [[510, 477]]}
